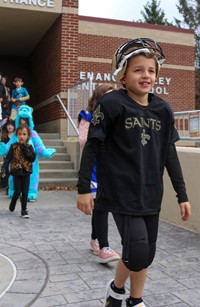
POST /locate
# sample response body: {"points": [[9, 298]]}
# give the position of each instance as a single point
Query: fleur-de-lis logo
{"points": [[97, 115], [144, 137]]}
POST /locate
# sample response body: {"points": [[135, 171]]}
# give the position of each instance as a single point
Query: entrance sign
{"points": [[48, 5]]}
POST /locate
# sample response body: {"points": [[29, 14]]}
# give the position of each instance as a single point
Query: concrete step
{"points": [[58, 170], [59, 182], [52, 142], [55, 136], [60, 149], [58, 173], [57, 157], [56, 164]]}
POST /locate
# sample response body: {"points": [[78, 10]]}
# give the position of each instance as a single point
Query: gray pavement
{"points": [[46, 261]]}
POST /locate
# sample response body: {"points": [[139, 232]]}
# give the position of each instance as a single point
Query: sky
{"points": [[127, 10]]}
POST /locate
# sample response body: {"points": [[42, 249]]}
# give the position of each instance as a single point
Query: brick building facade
{"points": [[74, 47]]}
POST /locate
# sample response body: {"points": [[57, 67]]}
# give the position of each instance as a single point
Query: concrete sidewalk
{"points": [[46, 261]]}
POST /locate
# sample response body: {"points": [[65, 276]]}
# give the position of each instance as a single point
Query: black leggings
{"points": [[100, 227], [139, 235], [21, 185]]}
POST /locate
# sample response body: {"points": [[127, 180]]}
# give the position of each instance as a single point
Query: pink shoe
{"points": [[95, 246], [106, 254]]}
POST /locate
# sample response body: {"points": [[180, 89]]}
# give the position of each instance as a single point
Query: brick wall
{"points": [[54, 64], [46, 62], [70, 3], [69, 51], [197, 84], [178, 46], [77, 44]]}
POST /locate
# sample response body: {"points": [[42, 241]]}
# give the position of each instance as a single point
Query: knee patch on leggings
{"points": [[136, 255], [140, 255]]}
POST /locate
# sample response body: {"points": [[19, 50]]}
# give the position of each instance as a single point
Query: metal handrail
{"points": [[81, 82], [188, 126], [67, 114]]}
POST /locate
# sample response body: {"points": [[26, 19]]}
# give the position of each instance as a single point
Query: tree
{"points": [[190, 10], [153, 14]]}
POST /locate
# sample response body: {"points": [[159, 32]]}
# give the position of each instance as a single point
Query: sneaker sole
{"points": [[25, 216], [110, 259], [95, 253]]}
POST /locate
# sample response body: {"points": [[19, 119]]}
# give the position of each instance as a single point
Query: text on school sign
{"points": [[160, 87], [39, 3]]}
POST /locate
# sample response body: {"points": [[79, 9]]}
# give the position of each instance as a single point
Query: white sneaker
{"points": [[128, 304], [113, 299], [24, 214]]}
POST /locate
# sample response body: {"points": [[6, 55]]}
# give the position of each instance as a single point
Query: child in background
{"points": [[19, 96], [6, 108], [40, 149], [20, 157], [6, 134], [99, 236], [2, 99], [7, 131], [5, 83], [138, 132]]}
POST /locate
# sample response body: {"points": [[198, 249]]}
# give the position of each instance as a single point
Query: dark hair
{"points": [[18, 79], [4, 132], [21, 126], [7, 81], [10, 122]]}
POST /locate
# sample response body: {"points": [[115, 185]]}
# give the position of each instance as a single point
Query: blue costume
{"points": [[39, 148], [93, 182]]}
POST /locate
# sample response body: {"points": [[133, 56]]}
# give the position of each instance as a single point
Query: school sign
{"points": [[48, 5]]}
